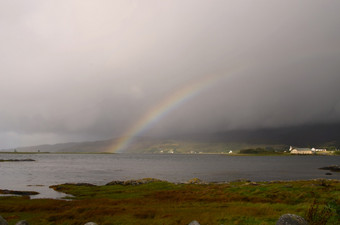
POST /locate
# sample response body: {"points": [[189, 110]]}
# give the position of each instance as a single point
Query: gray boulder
{"points": [[194, 223], [22, 222], [90, 223], [3, 221], [291, 219]]}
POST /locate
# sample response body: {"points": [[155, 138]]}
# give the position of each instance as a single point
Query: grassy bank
{"points": [[167, 203]]}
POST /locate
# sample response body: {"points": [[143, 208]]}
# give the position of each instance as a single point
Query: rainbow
{"points": [[164, 107]]}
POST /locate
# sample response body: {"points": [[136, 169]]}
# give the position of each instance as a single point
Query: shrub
{"points": [[317, 216], [253, 151]]}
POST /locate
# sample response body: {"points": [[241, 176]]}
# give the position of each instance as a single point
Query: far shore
{"points": [[331, 153]]}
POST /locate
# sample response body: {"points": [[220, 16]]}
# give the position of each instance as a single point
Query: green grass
{"points": [[167, 203]]}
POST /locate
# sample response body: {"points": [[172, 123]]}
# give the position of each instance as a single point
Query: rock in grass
{"points": [[3, 221], [22, 222], [90, 223], [134, 182], [194, 181], [291, 219], [194, 223]]}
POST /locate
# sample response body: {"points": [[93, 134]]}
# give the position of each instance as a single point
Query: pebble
{"points": [[22, 222], [194, 223], [3, 221], [291, 219]]}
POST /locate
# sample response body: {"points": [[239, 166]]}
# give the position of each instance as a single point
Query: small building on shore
{"points": [[319, 149], [300, 151], [307, 151]]}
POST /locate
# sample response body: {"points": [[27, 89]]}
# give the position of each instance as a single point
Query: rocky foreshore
{"points": [[286, 219], [152, 201], [133, 182]]}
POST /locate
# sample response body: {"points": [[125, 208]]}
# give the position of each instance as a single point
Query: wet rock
{"points": [[134, 182], [291, 219], [17, 160], [22, 222], [334, 168], [241, 180], [90, 223], [84, 184], [22, 193], [194, 223], [194, 181], [3, 221], [251, 183], [116, 182]]}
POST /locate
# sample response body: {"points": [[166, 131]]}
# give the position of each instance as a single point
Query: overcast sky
{"points": [[74, 70]]}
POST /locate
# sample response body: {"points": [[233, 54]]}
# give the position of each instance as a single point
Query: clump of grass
{"points": [[318, 216], [335, 207]]}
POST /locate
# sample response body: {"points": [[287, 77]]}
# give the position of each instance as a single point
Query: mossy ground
{"points": [[167, 203]]}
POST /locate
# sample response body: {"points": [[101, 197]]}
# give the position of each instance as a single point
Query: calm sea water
{"points": [[50, 169]]}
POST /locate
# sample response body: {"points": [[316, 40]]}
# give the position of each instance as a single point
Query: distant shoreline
{"points": [[201, 153]]}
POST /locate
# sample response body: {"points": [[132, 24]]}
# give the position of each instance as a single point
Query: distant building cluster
{"points": [[305, 151], [171, 151]]}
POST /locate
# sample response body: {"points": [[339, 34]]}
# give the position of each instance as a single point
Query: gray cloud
{"points": [[76, 70]]}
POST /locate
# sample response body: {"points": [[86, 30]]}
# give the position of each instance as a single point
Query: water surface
{"points": [[50, 169]]}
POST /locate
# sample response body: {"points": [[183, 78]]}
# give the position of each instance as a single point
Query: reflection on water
{"points": [[51, 169]]}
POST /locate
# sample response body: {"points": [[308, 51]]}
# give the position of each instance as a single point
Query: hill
{"points": [[319, 136]]}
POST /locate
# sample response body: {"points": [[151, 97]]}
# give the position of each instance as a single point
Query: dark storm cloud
{"points": [[76, 70]]}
